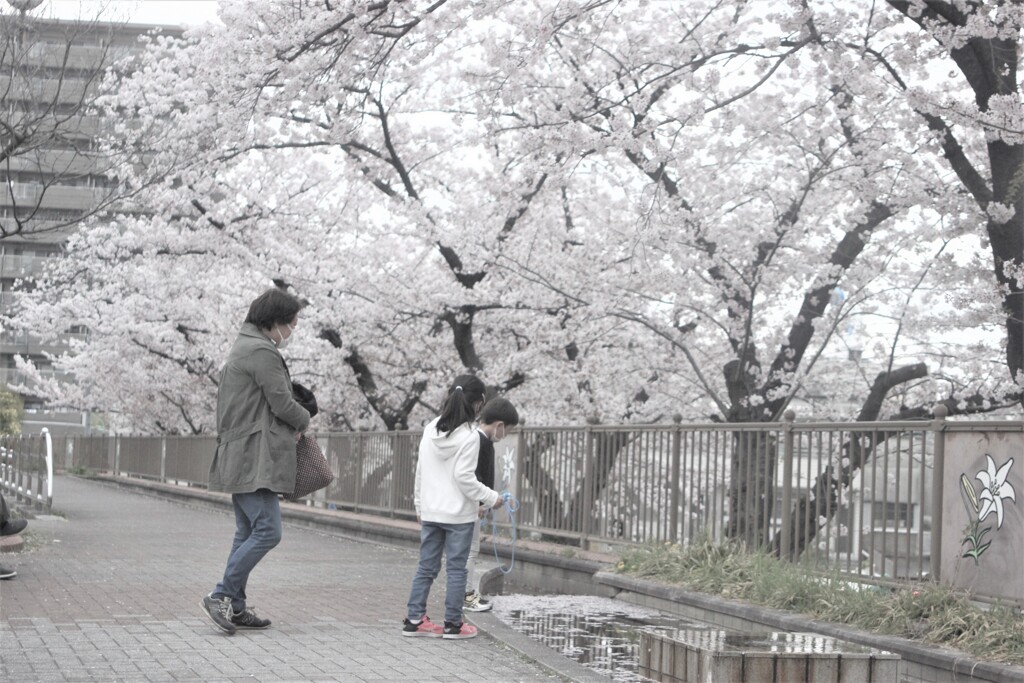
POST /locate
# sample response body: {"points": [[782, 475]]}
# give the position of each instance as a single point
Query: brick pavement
{"points": [[108, 590]]}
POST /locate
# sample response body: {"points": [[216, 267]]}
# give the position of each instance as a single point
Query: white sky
{"points": [[170, 12]]}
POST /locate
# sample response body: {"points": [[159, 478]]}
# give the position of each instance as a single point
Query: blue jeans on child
{"points": [[474, 563], [257, 530], [453, 540]]}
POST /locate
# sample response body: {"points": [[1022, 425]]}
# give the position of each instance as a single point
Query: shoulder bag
{"points": [[312, 471]]}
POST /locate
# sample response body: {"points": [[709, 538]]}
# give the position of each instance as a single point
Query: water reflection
{"points": [[599, 633], [780, 642]]}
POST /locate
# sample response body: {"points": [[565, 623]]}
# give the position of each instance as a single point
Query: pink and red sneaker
{"points": [[458, 631], [424, 629]]}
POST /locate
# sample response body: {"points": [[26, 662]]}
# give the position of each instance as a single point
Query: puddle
{"points": [[600, 633], [775, 642]]}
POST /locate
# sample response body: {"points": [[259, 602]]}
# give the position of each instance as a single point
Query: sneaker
{"points": [[247, 619], [13, 526], [458, 631], [475, 603], [424, 629], [7, 573], [219, 611]]}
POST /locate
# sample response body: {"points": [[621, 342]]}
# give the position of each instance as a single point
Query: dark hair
{"points": [[273, 307], [499, 410], [460, 405]]}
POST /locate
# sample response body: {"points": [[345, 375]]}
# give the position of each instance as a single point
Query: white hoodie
{"points": [[447, 490]]}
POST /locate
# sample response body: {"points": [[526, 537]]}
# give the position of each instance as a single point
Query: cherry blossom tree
{"points": [[612, 211], [809, 188], [983, 40]]}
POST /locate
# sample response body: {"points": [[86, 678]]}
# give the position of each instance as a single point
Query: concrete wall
{"points": [[983, 546]]}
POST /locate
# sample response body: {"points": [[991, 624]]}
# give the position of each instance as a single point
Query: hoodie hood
{"points": [[447, 445]]}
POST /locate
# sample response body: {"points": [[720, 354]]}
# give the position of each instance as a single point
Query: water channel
{"points": [[599, 633]]}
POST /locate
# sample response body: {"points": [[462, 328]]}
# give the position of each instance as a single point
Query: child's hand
{"points": [[499, 503]]}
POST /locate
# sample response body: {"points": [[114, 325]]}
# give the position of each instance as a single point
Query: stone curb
{"points": [[936, 656], [11, 544], [494, 628]]}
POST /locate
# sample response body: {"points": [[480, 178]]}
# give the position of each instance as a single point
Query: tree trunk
{"points": [[550, 508], [606, 447], [751, 487], [816, 507], [554, 511]]}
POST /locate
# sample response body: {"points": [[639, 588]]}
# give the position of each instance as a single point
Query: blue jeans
{"points": [[257, 530], [474, 563], [453, 540]]}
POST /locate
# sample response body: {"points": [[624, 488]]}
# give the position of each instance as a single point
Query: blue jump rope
{"points": [[511, 505]]}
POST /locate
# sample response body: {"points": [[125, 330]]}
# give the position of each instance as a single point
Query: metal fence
{"points": [[26, 469], [853, 497]]}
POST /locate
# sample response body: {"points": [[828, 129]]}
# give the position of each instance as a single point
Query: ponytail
{"points": [[459, 406]]}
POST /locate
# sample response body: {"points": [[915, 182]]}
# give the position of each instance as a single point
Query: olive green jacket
{"points": [[257, 418]]}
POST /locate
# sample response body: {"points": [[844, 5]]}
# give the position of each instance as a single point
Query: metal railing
{"points": [[26, 469], [860, 498]]}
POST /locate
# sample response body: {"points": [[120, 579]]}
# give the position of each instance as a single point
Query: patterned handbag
{"points": [[312, 471]]}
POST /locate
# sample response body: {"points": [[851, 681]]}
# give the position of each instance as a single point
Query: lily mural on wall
{"points": [[994, 490], [508, 468]]}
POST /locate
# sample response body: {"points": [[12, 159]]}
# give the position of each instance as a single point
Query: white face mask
{"points": [[283, 342], [496, 438]]}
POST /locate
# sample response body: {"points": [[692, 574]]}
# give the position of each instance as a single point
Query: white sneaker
{"points": [[475, 603]]}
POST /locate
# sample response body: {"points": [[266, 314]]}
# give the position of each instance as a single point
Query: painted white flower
{"points": [[996, 489], [508, 466]]}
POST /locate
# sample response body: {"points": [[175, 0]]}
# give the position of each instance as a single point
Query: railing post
{"points": [[674, 483], [515, 483], [588, 483], [117, 455], [785, 542], [19, 470], [40, 472], [393, 496], [518, 463], [49, 468], [359, 472], [938, 466], [163, 459]]}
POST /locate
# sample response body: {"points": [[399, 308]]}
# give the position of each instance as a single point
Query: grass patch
{"points": [[925, 612]]}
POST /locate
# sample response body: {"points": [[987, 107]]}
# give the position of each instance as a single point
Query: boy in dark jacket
{"points": [[497, 420]]}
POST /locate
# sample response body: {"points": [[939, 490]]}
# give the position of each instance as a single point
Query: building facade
{"points": [[54, 174]]}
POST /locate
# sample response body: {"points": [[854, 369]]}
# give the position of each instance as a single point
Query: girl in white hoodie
{"points": [[448, 496]]}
